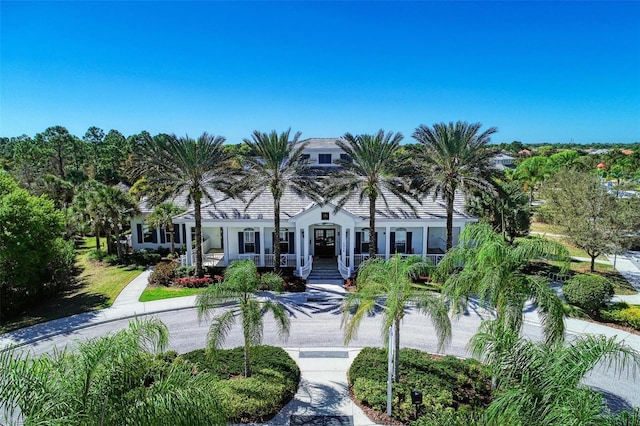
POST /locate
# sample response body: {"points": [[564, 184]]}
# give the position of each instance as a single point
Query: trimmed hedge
{"points": [[446, 383], [623, 314], [588, 291], [274, 380]]}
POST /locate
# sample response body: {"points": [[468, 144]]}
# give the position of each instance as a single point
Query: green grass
{"points": [[546, 228], [159, 293], [94, 286]]}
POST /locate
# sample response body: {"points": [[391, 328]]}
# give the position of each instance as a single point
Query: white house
{"points": [[309, 230]]}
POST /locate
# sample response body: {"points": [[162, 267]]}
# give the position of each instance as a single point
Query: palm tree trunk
{"points": [[373, 243], [276, 237], [109, 243], [198, 218], [97, 232], [247, 340], [531, 196], [450, 221], [396, 351], [173, 242]]}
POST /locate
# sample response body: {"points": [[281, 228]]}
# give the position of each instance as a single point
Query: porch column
{"points": [[343, 243], [261, 228], [306, 243], [387, 242], [189, 244], [296, 244], [352, 247], [425, 241], [225, 248]]}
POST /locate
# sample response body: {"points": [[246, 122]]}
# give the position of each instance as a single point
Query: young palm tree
{"points": [[494, 271], [540, 383], [276, 164], [388, 285], [531, 173], [162, 218], [371, 171], [240, 283], [181, 164], [454, 157], [118, 207], [106, 380]]}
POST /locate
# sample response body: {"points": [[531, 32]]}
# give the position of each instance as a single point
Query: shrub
{"points": [[145, 257], [271, 281], [185, 271], [97, 254], [162, 275], [588, 291], [194, 282], [111, 259], [446, 383], [623, 314]]}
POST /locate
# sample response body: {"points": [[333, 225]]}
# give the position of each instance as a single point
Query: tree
{"points": [[495, 272], [59, 143], [276, 163], [114, 379], [388, 285], [454, 157], [508, 214], [241, 281], [181, 165], [118, 208], [162, 218], [540, 383], [593, 219], [531, 173], [88, 207], [371, 171]]}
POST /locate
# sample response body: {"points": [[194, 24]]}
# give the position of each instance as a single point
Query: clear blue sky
{"points": [[539, 71]]}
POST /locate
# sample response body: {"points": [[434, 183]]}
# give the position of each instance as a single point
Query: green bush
{"points": [[163, 274], [111, 259], [587, 291], [623, 314], [97, 254], [185, 271], [445, 382], [273, 383], [271, 281]]}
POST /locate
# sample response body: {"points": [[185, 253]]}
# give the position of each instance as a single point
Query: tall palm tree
{"points": [[162, 218], [540, 383], [495, 272], [181, 165], [531, 173], [454, 157], [371, 171], [88, 207], [106, 380], [240, 283], [277, 163], [118, 207], [388, 285]]}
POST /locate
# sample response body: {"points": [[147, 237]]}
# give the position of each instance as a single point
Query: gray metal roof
{"points": [[321, 143]]}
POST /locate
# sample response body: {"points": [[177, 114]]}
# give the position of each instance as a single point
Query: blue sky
{"points": [[538, 71]]}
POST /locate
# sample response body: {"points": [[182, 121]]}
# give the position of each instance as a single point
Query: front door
{"points": [[324, 242]]}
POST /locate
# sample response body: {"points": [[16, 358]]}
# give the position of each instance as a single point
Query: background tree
{"points": [[162, 218], [241, 281], [276, 163], [370, 172], [531, 173], [593, 219], [197, 167], [387, 285], [454, 157], [495, 272], [105, 380], [508, 214], [58, 142]]}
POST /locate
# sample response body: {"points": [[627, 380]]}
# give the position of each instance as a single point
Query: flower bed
{"points": [[195, 282]]}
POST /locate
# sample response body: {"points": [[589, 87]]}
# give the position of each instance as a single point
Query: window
{"points": [[284, 242], [324, 158], [401, 241], [345, 157], [148, 234], [325, 215], [249, 241], [365, 241], [306, 156]]}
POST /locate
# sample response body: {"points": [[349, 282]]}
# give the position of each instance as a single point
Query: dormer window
{"points": [[324, 158]]}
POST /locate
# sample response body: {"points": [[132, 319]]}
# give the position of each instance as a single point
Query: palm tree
{"points": [[276, 163], [118, 207], [540, 383], [88, 207], [179, 165], [454, 157], [388, 285], [531, 173], [370, 171], [494, 271], [240, 283], [162, 218], [106, 380]]}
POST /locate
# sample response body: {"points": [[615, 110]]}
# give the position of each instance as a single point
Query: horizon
{"points": [[541, 72]]}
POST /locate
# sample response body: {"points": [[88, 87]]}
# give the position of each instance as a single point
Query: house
{"points": [[308, 230]]}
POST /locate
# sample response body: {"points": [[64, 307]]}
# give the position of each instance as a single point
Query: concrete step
{"points": [[333, 281]]}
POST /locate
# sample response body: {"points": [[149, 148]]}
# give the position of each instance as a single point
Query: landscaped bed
{"points": [[447, 383]]}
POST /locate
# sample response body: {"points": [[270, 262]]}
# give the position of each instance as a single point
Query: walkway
{"points": [[323, 389]]}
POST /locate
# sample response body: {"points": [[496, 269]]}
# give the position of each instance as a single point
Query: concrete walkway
{"points": [[322, 397]]}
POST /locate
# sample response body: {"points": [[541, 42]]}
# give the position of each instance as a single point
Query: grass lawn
{"points": [[95, 286], [546, 228], [157, 293]]}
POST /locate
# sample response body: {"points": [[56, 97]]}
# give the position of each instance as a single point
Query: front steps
{"points": [[325, 271]]}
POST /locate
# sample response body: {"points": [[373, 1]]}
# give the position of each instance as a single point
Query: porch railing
{"points": [[305, 269], [345, 271], [359, 258], [286, 260]]}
